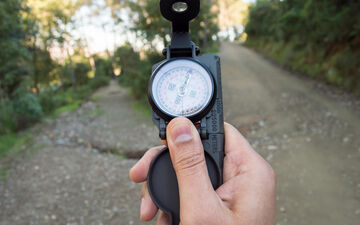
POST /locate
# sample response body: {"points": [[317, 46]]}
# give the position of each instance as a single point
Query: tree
{"points": [[152, 28], [316, 37], [13, 54], [232, 16], [53, 25]]}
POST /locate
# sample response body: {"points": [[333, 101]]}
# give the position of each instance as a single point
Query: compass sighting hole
{"points": [[180, 7]]}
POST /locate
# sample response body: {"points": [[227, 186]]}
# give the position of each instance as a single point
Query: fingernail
{"points": [[182, 134], [142, 207]]}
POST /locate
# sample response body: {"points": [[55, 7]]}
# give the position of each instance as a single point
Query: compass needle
{"points": [[182, 73]]}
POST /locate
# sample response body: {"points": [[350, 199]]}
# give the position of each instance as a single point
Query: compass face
{"points": [[182, 87]]}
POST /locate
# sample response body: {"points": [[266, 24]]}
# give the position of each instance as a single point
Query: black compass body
{"points": [[182, 87], [188, 85]]}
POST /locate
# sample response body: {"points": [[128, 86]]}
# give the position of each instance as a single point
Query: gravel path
{"points": [[68, 176], [306, 130]]}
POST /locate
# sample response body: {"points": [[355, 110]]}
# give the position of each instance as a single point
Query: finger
{"points": [[235, 142], [248, 178], [163, 219], [163, 142], [148, 209], [239, 155], [188, 159], [138, 173]]}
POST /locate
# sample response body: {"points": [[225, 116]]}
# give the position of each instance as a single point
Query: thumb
{"points": [[187, 156]]}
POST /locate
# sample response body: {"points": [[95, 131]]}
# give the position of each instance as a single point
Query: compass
{"points": [[182, 87], [185, 84]]}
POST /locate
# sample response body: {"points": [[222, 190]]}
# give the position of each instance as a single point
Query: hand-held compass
{"points": [[181, 87], [185, 84]]}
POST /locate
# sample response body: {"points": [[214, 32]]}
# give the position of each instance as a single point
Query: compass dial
{"points": [[182, 88]]}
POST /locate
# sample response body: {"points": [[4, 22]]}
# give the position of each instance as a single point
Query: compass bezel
{"points": [[168, 117]]}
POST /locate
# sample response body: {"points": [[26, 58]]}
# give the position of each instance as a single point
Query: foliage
{"points": [[6, 143], [98, 82], [315, 37], [103, 67], [7, 122], [67, 108], [48, 102], [153, 28], [232, 16], [13, 143], [81, 71], [27, 110], [135, 73], [12, 44]]}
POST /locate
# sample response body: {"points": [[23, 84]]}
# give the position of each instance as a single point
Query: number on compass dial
{"points": [[182, 88]]}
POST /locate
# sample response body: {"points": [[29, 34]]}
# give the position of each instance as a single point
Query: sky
{"points": [[100, 33]]}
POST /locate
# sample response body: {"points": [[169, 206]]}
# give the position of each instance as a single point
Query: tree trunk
{"points": [[72, 74], [35, 69], [205, 36], [109, 55]]}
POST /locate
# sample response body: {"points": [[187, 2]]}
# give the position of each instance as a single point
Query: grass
{"points": [[143, 107], [213, 49], [37, 147], [6, 143], [339, 68], [12, 145], [93, 113], [120, 156], [95, 98], [96, 112], [4, 172], [68, 108]]}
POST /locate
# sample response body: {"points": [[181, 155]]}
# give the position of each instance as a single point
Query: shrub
{"points": [[98, 82], [81, 71], [135, 73], [27, 110], [103, 67], [7, 122], [319, 38], [47, 102], [83, 92]]}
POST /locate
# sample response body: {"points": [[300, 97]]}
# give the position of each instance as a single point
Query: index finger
{"points": [[240, 157], [138, 173]]}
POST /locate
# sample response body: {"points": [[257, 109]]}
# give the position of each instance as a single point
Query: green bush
{"points": [[83, 92], [103, 67], [98, 81], [81, 71], [6, 143], [27, 110], [7, 122], [48, 102], [51, 100], [319, 38], [135, 72]]}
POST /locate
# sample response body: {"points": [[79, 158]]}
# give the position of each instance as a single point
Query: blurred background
{"points": [[74, 116]]}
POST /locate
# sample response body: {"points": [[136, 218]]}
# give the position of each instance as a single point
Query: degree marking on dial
{"points": [[182, 90]]}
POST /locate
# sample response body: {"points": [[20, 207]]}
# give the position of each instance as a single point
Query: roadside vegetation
{"points": [[153, 29], [34, 83], [318, 38], [47, 65]]}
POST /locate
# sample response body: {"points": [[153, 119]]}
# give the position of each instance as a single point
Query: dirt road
{"points": [[309, 134], [76, 169]]}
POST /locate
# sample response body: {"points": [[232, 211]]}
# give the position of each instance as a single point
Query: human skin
{"points": [[246, 197]]}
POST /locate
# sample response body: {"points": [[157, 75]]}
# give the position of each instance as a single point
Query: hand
{"points": [[246, 197]]}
